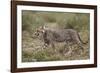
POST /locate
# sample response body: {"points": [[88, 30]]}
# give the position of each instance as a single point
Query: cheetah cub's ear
{"points": [[42, 29], [45, 27]]}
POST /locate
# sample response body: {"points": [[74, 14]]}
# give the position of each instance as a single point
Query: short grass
{"points": [[33, 51]]}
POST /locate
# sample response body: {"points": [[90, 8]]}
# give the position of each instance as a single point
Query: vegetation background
{"points": [[32, 47]]}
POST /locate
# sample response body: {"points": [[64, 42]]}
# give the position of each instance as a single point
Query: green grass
{"points": [[32, 20]]}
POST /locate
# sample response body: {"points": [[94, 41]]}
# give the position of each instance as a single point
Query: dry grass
{"points": [[33, 51]]}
